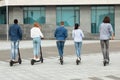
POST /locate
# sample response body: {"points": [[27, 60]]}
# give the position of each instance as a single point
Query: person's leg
{"points": [[107, 50], [38, 48], [34, 47], [102, 42], [12, 50], [59, 48], [62, 47], [76, 48], [16, 48], [80, 46]]}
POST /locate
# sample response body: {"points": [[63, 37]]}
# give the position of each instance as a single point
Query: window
{"points": [[97, 15], [32, 14], [2, 15], [70, 15]]}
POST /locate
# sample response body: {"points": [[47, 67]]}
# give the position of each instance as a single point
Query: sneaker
{"points": [[13, 59], [107, 61], [79, 59], [61, 58], [37, 59]]}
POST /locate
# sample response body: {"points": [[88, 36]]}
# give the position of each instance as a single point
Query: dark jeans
{"points": [[105, 49], [60, 46]]}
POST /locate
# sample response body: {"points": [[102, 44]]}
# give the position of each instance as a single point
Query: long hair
{"points": [[76, 26], [106, 19], [36, 24]]}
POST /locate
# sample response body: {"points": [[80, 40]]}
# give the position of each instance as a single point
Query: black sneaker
{"points": [[77, 62], [61, 60]]}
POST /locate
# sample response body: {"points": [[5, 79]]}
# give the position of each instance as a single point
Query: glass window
{"points": [[70, 15], [2, 15], [97, 15], [32, 14]]}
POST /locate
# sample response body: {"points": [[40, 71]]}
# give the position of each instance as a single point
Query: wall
{"points": [[3, 32], [2, 3], [62, 2], [85, 18], [15, 13], [49, 28], [117, 22], [51, 15]]}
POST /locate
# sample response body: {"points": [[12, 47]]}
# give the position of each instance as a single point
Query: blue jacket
{"points": [[60, 33], [15, 32]]}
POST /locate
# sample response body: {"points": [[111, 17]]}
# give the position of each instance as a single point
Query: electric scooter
{"points": [[40, 60], [18, 61]]}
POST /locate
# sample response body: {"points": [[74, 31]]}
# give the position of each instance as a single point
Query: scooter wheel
{"points": [[11, 63], [61, 61], [32, 62], [104, 63], [19, 61], [41, 60], [77, 62]]}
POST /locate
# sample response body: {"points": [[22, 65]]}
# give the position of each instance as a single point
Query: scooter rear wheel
{"points": [[77, 62], [11, 63], [61, 61], [32, 62], [19, 61], [104, 63], [41, 60]]}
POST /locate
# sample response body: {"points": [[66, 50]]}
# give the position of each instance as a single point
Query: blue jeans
{"points": [[60, 46], [14, 49], [78, 46], [36, 45]]}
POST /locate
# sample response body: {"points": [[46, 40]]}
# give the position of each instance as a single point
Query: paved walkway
{"points": [[91, 67], [5, 45]]}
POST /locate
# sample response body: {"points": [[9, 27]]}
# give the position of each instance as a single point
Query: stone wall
{"points": [[47, 30], [3, 32]]}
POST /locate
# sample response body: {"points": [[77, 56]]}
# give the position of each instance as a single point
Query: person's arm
{"points": [[111, 33], [20, 33], [41, 34], [82, 34], [112, 36], [66, 34], [9, 31]]}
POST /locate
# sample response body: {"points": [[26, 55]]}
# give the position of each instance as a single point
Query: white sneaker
{"points": [[78, 58], [37, 59], [13, 60]]}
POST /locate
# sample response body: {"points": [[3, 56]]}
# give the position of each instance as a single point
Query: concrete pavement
{"points": [[5, 45], [91, 67], [49, 48]]}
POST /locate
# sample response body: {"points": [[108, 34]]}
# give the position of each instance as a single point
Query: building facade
{"points": [[89, 14]]}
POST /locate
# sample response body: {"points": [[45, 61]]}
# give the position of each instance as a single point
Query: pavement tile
{"points": [[91, 68]]}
